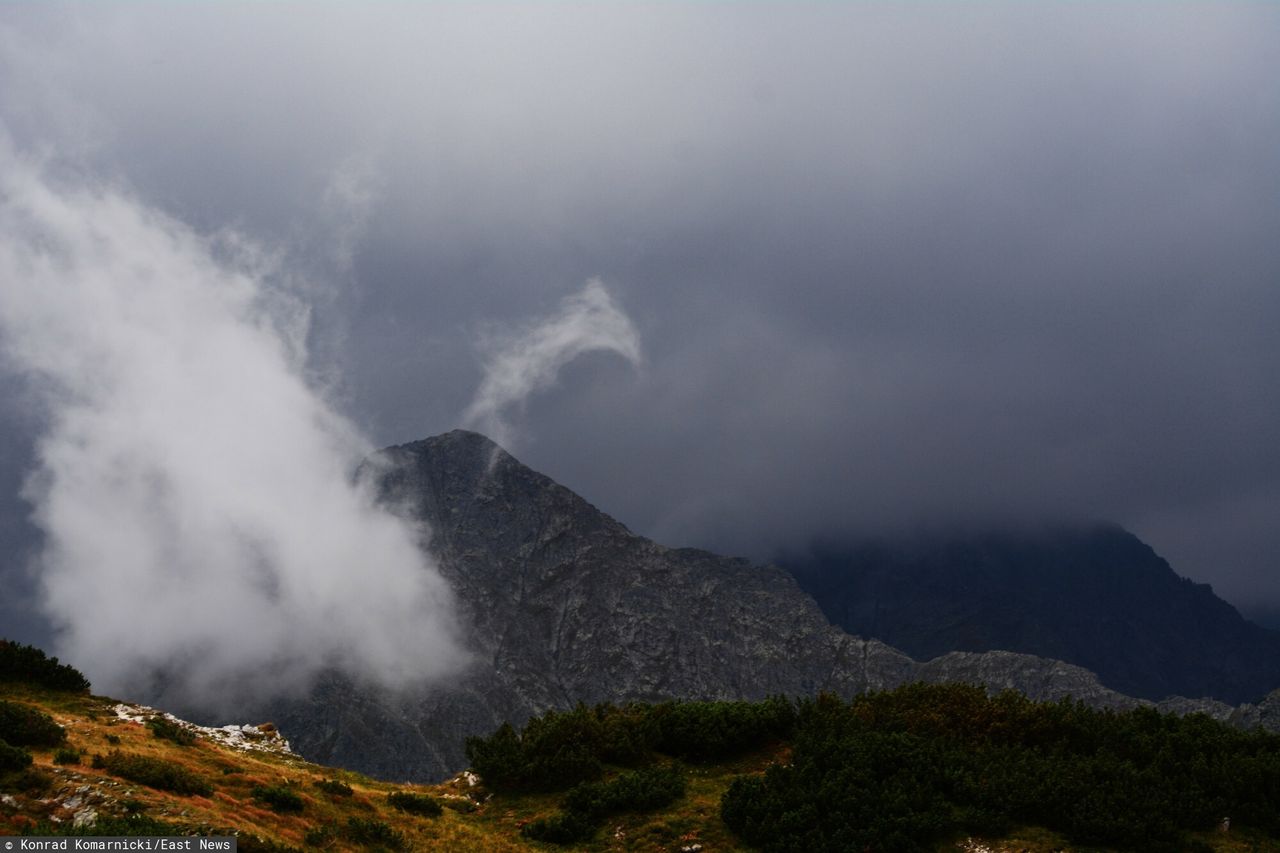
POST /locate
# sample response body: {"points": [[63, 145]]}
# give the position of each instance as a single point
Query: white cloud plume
{"points": [[349, 199], [523, 362], [202, 518]]}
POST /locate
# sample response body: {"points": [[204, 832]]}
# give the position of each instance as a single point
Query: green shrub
{"points": [[498, 758], [418, 804], [22, 725], [903, 769], [587, 804], [31, 780], [555, 751], [28, 664], [718, 730], [334, 787], [373, 833], [278, 798], [66, 756], [878, 792], [167, 729], [562, 828], [459, 804], [13, 758], [563, 748], [154, 773], [627, 734], [320, 836], [639, 791]]}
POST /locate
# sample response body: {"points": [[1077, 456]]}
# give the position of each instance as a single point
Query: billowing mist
{"points": [[204, 531]]}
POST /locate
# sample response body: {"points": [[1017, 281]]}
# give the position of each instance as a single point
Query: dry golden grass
{"points": [[93, 728]]}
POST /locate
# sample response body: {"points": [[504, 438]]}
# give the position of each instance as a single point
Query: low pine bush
{"points": [[167, 729], [708, 731], [369, 832], [418, 804], [154, 773], [639, 791], [22, 725], [589, 803], [334, 787], [13, 758], [66, 756], [903, 769], [279, 798], [561, 749], [320, 837], [32, 781], [29, 665], [562, 828]]}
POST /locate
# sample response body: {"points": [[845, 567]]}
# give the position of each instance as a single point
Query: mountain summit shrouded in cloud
{"points": [[892, 264], [202, 524]]}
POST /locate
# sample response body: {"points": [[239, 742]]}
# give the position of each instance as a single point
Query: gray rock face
{"points": [[1265, 714], [1041, 679], [562, 604]]}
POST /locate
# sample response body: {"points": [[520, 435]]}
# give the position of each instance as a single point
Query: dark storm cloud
{"points": [[889, 265]]}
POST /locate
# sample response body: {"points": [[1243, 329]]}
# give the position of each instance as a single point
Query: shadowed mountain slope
{"points": [[1094, 596]]}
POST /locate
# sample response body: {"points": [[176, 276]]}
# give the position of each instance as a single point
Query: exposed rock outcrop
{"points": [[563, 604]]}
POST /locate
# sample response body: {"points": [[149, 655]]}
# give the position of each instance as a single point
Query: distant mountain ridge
{"points": [[563, 604], [1095, 596]]}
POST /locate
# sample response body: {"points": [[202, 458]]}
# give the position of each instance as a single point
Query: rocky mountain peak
{"points": [[563, 604]]}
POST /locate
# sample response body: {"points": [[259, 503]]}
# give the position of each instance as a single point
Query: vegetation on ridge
{"points": [[918, 768], [915, 767], [29, 665]]}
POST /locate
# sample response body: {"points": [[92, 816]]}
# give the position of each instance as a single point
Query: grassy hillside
{"points": [[646, 778]]}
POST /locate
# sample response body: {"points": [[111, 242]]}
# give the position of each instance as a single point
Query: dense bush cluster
{"points": [[587, 804], [167, 729], [28, 664], [369, 832], [278, 798], [13, 758], [713, 731], [154, 773], [334, 787], [899, 770], [553, 752], [418, 804], [66, 755], [22, 725], [562, 749]]}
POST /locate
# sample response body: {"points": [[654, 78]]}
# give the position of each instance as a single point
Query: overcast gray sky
{"points": [[888, 265]]}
